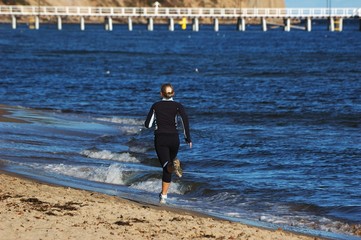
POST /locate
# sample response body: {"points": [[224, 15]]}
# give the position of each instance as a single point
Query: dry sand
{"points": [[32, 210]]}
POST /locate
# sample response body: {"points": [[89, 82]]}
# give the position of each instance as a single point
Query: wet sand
{"points": [[4, 116]]}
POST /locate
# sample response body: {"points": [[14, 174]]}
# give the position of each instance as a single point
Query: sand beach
{"points": [[33, 210]]}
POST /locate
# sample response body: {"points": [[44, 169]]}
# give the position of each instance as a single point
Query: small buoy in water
{"points": [[107, 72], [196, 69]]}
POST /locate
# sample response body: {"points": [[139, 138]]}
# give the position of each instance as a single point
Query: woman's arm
{"points": [[150, 118]]}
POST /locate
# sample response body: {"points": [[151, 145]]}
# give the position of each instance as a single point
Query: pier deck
{"points": [[242, 15]]}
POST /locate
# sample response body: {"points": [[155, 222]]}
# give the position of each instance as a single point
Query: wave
{"points": [[125, 121], [113, 174], [153, 184], [129, 130], [108, 155], [323, 224], [128, 125]]}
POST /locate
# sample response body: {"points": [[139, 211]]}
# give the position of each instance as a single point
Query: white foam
{"points": [[138, 149], [154, 185], [323, 224], [112, 174], [329, 225], [125, 121], [128, 125], [129, 129], [108, 155], [233, 214], [273, 219]]}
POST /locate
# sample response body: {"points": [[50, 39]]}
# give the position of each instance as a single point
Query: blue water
{"points": [[275, 118]]}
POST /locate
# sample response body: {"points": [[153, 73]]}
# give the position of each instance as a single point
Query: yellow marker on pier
{"points": [[183, 23]]}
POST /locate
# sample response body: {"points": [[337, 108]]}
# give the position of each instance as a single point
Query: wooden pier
{"points": [[184, 16]]}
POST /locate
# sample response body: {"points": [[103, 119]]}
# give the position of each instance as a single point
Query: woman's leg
{"points": [[165, 187], [166, 147]]}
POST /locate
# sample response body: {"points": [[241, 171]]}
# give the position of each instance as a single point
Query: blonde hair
{"points": [[166, 93]]}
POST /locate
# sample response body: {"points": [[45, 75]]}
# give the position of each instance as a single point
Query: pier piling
{"points": [[287, 23], [82, 24], [309, 24], [13, 22], [241, 24], [264, 24], [108, 24], [195, 24], [130, 24], [331, 24], [150, 24], [216, 24], [37, 23], [59, 23], [171, 24]]}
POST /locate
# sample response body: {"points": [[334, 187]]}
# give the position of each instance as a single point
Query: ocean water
{"points": [[275, 118]]}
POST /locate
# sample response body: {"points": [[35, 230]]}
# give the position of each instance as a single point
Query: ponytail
{"points": [[167, 90]]}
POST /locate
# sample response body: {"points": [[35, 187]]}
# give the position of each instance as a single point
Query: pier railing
{"points": [[242, 15], [180, 12]]}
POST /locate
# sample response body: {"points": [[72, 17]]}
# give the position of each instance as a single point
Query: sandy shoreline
{"points": [[32, 210], [4, 116]]}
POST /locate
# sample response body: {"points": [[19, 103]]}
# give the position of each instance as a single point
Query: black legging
{"points": [[166, 146]]}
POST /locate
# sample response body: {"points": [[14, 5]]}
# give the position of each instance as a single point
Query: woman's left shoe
{"points": [[177, 167]]}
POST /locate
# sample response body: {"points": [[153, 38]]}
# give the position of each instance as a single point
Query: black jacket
{"points": [[164, 114]]}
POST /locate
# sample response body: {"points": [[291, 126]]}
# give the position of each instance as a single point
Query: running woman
{"points": [[163, 115]]}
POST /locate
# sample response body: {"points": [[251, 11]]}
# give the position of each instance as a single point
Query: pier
{"points": [[283, 17]]}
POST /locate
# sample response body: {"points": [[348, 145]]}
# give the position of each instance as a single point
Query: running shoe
{"points": [[162, 198], [177, 167]]}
